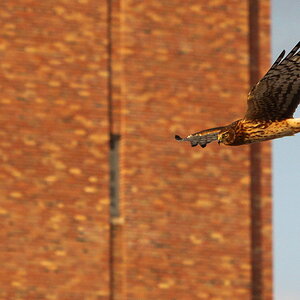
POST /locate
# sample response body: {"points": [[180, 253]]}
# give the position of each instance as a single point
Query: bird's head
{"points": [[226, 136]]}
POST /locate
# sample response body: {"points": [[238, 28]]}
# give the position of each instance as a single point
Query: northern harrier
{"points": [[271, 105]]}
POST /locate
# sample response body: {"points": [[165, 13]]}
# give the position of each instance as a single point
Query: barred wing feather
{"points": [[277, 95], [201, 138]]}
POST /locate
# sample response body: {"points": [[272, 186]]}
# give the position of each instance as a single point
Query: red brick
{"points": [[193, 223]]}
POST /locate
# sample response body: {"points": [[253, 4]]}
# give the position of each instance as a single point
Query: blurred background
{"points": [[286, 170], [97, 200]]}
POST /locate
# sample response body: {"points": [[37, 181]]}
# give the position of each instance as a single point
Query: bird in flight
{"points": [[271, 105]]}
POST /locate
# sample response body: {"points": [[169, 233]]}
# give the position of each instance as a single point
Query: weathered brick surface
{"points": [[74, 72], [54, 148], [188, 233]]}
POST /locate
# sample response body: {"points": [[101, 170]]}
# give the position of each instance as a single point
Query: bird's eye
{"points": [[226, 135]]}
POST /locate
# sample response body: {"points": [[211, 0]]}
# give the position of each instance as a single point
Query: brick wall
{"points": [[191, 223], [186, 68], [54, 149]]}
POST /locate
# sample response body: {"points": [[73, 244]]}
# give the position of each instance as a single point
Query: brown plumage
{"points": [[271, 105]]}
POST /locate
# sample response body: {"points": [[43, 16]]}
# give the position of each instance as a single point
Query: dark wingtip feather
{"points": [[293, 51], [203, 146], [178, 138], [278, 60]]}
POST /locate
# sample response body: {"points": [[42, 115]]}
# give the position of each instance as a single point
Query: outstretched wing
{"points": [[201, 138], [277, 95]]}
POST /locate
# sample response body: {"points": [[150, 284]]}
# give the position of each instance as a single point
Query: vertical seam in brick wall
{"points": [[110, 126], [255, 158], [114, 162], [109, 66], [116, 224]]}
